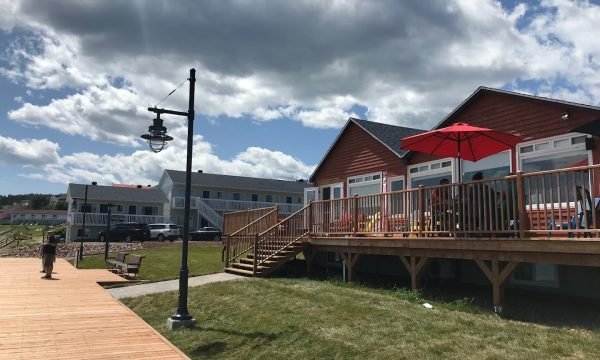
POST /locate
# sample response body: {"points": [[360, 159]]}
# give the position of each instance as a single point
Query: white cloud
{"points": [[28, 152]]}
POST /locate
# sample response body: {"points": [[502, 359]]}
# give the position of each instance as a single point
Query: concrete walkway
{"points": [[170, 285]]}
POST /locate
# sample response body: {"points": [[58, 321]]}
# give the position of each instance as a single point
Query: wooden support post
{"points": [[227, 246], [350, 260], [421, 210], [497, 277], [354, 215], [414, 267], [310, 218], [523, 220], [255, 257]]}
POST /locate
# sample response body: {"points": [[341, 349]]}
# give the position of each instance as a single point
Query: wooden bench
{"points": [[132, 266], [117, 261]]}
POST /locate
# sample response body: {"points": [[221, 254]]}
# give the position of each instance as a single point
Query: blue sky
{"points": [[276, 80]]}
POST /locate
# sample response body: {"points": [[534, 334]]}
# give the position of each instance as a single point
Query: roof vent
{"points": [[148, 185], [300, 180], [139, 186], [94, 183], [200, 171]]}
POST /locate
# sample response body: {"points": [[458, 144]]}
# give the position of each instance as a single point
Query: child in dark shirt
{"points": [[49, 255]]}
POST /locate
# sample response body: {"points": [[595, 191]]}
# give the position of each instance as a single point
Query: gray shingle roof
{"points": [[389, 135], [238, 182], [117, 194]]}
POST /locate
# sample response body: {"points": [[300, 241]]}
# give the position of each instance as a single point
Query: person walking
{"points": [[49, 255]]}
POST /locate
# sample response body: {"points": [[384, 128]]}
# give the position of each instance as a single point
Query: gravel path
{"points": [[170, 285]]}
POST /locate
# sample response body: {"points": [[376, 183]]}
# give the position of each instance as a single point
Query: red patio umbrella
{"points": [[461, 141]]}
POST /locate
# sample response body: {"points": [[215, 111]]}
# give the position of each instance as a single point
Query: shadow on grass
{"points": [[216, 347], [524, 305]]}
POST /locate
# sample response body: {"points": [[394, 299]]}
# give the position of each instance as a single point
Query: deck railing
{"points": [[280, 236], [557, 203], [243, 240], [76, 218], [234, 221]]}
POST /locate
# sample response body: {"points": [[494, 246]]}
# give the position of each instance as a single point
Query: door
{"points": [[310, 194]]}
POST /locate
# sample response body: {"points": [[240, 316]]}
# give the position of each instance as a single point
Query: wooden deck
{"points": [[71, 317]]}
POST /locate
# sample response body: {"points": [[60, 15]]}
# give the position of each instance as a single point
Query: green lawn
{"points": [[305, 319], [163, 263]]}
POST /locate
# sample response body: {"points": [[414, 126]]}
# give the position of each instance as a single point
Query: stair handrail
{"points": [[8, 239], [210, 214], [228, 245], [261, 240]]}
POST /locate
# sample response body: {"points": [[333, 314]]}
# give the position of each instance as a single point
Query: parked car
{"points": [[161, 232], [206, 233], [127, 232]]}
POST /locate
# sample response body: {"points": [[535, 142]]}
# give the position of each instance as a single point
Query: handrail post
{"points": [[227, 245], [421, 210], [310, 216], [523, 221], [354, 215], [255, 262]]}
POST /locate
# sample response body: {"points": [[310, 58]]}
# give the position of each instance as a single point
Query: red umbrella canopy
{"points": [[461, 141]]}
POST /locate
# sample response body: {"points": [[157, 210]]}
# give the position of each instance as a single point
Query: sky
{"points": [[276, 80]]}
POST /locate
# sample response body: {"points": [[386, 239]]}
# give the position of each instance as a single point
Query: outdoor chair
{"points": [[132, 266], [117, 261]]}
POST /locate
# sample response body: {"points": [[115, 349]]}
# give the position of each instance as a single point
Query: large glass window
{"points": [[430, 174], [495, 166], [364, 184]]}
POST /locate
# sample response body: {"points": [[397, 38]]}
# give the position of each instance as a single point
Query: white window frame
{"points": [[332, 186], [441, 170], [396, 178], [364, 182], [552, 150]]}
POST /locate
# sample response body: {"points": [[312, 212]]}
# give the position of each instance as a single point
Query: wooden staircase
{"points": [[245, 266], [263, 246]]}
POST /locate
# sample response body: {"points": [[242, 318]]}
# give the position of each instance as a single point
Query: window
{"points": [[147, 210], [395, 204], [549, 154], [536, 275], [429, 174], [237, 196], [133, 209], [495, 166], [206, 194], [288, 200], [219, 194], [254, 197], [120, 208], [269, 198], [104, 208], [363, 185]]}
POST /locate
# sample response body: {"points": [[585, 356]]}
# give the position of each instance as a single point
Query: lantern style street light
{"points": [[157, 139], [85, 207]]}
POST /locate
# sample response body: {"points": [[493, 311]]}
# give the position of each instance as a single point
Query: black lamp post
{"points": [[107, 237], [85, 206], [157, 138]]}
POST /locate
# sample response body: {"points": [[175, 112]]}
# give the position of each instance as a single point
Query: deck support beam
{"points": [[414, 265], [497, 277], [350, 260]]}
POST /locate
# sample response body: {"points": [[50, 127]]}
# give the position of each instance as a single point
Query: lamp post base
{"points": [[173, 324]]}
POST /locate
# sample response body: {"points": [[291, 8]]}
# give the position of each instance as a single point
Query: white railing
{"points": [[208, 213], [76, 218], [236, 205]]}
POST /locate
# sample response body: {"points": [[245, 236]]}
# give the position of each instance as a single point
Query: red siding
{"points": [[530, 118], [355, 153]]}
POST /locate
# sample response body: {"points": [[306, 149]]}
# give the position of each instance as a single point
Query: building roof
{"points": [[30, 211], [238, 182], [388, 135], [121, 194], [483, 89]]}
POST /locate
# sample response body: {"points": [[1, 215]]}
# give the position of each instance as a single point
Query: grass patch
{"points": [[164, 263], [298, 318]]}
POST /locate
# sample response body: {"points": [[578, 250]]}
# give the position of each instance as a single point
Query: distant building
{"points": [[129, 204], [214, 194]]}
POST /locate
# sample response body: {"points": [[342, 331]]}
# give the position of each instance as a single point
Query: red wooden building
{"points": [[531, 222]]}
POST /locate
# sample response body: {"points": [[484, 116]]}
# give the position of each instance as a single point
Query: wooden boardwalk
{"points": [[71, 317]]}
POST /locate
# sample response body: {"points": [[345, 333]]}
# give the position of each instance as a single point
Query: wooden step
{"points": [[239, 272], [248, 266]]}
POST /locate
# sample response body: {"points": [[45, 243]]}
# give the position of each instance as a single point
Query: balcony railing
{"points": [[76, 218], [235, 205], [557, 203]]}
